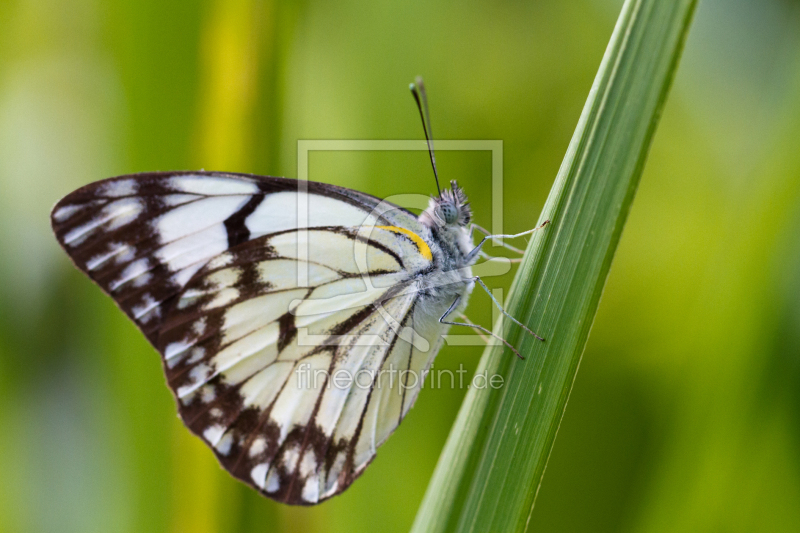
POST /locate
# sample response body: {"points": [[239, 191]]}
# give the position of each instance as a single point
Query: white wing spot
{"points": [[224, 278], [187, 396], [197, 354], [273, 481], [63, 213], [258, 446], [189, 297], [220, 261], [126, 255], [137, 268], [171, 363], [258, 475], [213, 434], [118, 188], [333, 474], [147, 305], [199, 327], [182, 277], [176, 348], [199, 373], [209, 394], [223, 297], [311, 490], [224, 444], [212, 185], [197, 376], [123, 212], [96, 261], [144, 279], [123, 252], [290, 458], [115, 215], [308, 464], [149, 315]]}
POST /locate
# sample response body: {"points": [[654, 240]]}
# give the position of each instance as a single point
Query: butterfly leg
{"points": [[475, 251], [475, 326], [484, 255], [500, 307], [488, 234]]}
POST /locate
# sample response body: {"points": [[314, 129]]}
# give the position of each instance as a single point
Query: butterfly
{"points": [[295, 320]]}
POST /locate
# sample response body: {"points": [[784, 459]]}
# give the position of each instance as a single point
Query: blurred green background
{"points": [[685, 415]]}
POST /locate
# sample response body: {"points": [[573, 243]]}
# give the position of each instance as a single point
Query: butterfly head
{"points": [[450, 208]]}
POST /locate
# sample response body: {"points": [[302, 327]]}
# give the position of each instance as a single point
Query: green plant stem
{"points": [[491, 468]]}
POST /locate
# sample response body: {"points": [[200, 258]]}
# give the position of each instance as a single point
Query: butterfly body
{"points": [[260, 293], [447, 219]]}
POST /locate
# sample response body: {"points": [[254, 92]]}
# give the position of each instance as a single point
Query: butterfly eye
{"points": [[438, 215], [449, 213]]}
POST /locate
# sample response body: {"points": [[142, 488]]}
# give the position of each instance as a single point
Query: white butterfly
{"points": [[289, 315]]}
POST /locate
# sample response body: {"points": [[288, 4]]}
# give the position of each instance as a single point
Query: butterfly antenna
{"points": [[418, 90]]}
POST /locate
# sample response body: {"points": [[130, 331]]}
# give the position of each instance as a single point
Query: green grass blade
{"points": [[492, 465]]}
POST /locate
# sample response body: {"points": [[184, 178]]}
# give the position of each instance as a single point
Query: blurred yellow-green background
{"points": [[685, 415]]}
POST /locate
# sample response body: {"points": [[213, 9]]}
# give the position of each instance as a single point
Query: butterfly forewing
{"points": [[255, 318], [142, 237]]}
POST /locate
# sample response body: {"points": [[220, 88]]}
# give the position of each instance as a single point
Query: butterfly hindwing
{"points": [[251, 355]]}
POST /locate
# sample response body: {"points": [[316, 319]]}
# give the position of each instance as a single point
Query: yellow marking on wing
{"points": [[422, 246]]}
